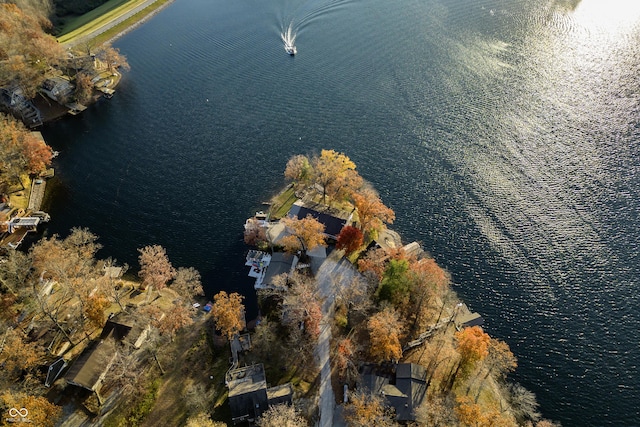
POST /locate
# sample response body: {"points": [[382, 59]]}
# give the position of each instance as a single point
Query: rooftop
{"points": [[246, 380]]}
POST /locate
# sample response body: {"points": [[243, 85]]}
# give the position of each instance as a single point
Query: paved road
{"points": [[333, 272], [112, 23]]}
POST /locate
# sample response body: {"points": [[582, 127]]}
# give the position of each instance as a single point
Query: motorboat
{"points": [[290, 48]]}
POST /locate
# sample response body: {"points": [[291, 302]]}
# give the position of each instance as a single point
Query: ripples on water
{"points": [[503, 133]]}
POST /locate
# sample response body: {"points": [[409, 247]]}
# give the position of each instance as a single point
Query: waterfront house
{"points": [[264, 267], [332, 219], [57, 88]]}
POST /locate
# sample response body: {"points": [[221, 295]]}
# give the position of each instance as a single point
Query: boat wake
{"points": [[288, 37], [288, 32]]}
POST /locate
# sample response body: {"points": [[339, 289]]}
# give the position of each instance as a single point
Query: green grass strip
{"points": [[128, 23], [101, 20], [78, 21]]}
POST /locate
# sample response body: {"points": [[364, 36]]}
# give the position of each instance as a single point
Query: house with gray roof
{"points": [[402, 386], [249, 395]]}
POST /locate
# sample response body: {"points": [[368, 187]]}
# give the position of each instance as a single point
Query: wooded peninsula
{"points": [[356, 327]]}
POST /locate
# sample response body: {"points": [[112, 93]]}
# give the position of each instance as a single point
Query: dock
{"points": [[22, 222], [38, 187]]}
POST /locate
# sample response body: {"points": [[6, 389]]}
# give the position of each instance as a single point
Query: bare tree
{"points": [[187, 283], [113, 285], [523, 403], [155, 268], [281, 416]]}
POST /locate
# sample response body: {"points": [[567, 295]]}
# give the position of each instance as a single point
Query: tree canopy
{"points": [[228, 313], [155, 268], [306, 234], [385, 330], [21, 152], [26, 51]]}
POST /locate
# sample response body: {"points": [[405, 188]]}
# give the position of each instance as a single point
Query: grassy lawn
{"points": [[282, 203], [78, 21], [128, 23], [102, 16]]}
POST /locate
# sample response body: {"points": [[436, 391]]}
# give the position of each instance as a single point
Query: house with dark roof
{"points": [[90, 368], [93, 364], [402, 386], [332, 219], [249, 395]]}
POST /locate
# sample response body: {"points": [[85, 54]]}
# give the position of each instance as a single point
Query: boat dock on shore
{"points": [[17, 222]]}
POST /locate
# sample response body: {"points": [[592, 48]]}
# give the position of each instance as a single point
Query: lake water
{"points": [[504, 133]]}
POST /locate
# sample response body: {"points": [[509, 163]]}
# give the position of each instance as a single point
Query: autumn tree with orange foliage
{"points": [[427, 281], [228, 313], [94, 309], [112, 57], [343, 359], [174, 318], [71, 264], [500, 360], [21, 152], [306, 234], [332, 171], [473, 346], [374, 262], [41, 412], [372, 213], [26, 51], [470, 414], [187, 283], [301, 309], [385, 330], [350, 239], [17, 354]]}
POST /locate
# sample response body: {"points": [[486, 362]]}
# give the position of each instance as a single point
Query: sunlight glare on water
{"points": [[610, 16]]}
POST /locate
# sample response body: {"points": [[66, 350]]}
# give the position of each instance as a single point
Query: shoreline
{"points": [[52, 111], [139, 22], [118, 26]]}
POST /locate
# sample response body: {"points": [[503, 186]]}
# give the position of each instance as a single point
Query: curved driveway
{"points": [[333, 273]]}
